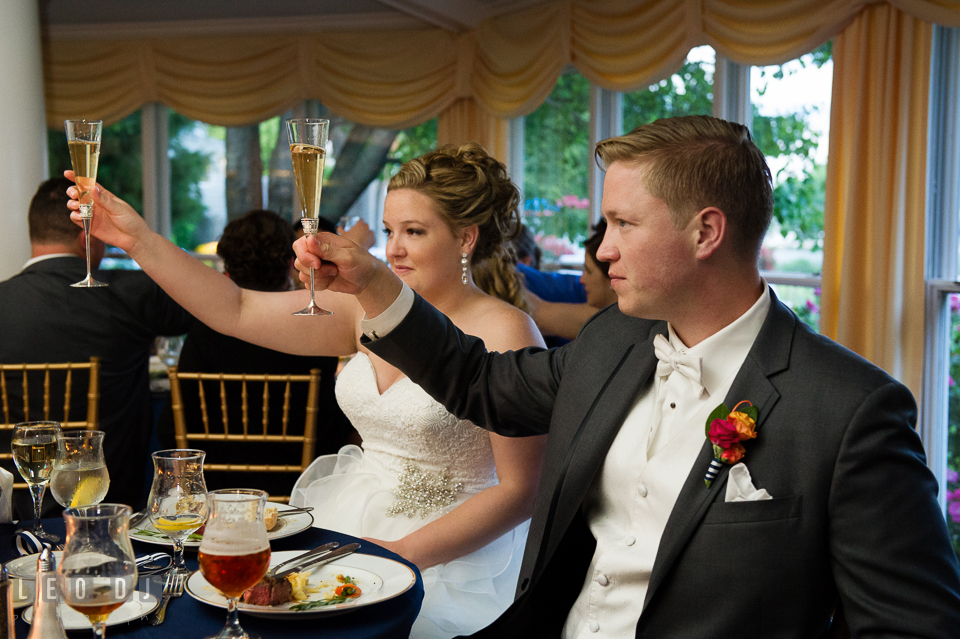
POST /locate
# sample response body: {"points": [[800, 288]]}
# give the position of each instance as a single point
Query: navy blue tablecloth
{"points": [[187, 618]]}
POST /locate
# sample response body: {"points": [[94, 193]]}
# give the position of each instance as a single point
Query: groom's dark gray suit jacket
{"points": [[854, 521]]}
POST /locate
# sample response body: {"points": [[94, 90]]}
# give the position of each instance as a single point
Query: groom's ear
{"points": [[468, 238]]}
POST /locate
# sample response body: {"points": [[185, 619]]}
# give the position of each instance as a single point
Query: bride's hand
{"points": [[343, 267], [114, 221]]}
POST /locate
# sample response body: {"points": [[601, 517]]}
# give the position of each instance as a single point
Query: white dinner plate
{"points": [[25, 566], [140, 605], [286, 526], [378, 578]]}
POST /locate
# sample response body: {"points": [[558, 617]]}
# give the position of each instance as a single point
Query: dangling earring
{"points": [[463, 264]]}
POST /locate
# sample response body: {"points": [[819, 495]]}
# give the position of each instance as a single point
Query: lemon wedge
{"points": [[87, 492]]}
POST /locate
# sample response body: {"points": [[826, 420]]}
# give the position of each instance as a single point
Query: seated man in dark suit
{"points": [[43, 319], [809, 497]]}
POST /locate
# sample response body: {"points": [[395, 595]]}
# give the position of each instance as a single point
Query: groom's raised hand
{"points": [[344, 267]]}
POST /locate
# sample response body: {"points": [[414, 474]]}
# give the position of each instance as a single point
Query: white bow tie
{"points": [[673, 360]]}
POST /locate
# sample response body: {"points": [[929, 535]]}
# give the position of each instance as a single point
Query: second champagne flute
{"points": [[178, 498], [308, 148], [34, 448], [83, 138]]}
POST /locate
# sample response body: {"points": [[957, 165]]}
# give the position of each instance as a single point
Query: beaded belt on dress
{"points": [[421, 492]]}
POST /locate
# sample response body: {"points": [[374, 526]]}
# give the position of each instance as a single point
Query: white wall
{"points": [[23, 140]]}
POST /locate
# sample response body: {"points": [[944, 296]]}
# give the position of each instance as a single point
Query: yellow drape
{"points": [[873, 270], [508, 65], [465, 121]]}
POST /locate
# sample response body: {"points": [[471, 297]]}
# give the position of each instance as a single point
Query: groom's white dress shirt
{"points": [[653, 453]]}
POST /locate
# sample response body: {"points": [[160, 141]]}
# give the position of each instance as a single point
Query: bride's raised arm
{"points": [[259, 317]]}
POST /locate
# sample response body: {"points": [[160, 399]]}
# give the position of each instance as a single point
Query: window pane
{"points": [[791, 118], [804, 300], [220, 173], [557, 156], [689, 91], [953, 420]]}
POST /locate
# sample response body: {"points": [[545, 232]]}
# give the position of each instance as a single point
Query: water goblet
{"points": [[178, 498], [34, 448], [83, 138], [235, 553], [79, 476], [308, 148], [98, 572]]}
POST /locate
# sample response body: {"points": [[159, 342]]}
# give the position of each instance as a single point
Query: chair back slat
{"points": [[49, 396], [188, 437]]}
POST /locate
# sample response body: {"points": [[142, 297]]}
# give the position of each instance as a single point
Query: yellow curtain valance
{"points": [[507, 65]]}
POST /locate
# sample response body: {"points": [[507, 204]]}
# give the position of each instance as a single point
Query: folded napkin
{"points": [[740, 487], [6, 496], [29, 544]]}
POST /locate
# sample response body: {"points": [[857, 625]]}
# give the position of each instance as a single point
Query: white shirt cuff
{"points": [[378, 326]]}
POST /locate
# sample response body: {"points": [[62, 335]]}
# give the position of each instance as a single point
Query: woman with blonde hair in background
{"points": [[443, 493]]}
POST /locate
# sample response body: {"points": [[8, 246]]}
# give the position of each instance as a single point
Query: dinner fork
{"points": [[172, 587]]}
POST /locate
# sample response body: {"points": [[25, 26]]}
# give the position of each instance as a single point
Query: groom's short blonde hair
{"points": [[694, 162]]}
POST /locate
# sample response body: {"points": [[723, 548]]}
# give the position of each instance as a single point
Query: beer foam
{"points": [[244, 539]]}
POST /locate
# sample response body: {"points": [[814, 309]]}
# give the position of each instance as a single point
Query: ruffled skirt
{"points": [[351, 493]]}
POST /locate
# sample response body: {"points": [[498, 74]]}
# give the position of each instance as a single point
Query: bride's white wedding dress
{"points": [[418, 463]]}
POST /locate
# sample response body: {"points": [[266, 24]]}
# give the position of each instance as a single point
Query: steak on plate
{"points": [[269, 591]]}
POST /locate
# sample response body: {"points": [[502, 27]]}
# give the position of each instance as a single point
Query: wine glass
{"points": [[79, 476], [83, 138], [178, 498], [234, 553], [98, 571], [308, 147], [34, 448]]}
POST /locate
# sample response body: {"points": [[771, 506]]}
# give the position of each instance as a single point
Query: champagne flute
{"points": [[235, 553], [34, 448], [79, 476], [178, 498], [308, 147], [98, 572], [83, 138]]}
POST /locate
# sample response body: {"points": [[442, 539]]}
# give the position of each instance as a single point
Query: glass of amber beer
{"points": [[234, 553], [98, 571]]}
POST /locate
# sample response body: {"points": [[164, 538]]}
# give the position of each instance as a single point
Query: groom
{"points": [[829, 517]]}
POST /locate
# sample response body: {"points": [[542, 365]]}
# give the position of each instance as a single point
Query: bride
{"points": [[443, 493]]}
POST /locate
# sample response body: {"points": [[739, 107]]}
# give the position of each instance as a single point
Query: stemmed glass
{"points": [[34, 448], [98, 571], [83, 138], [308, 147], [80, 476], [234, 553], [178, 498]]}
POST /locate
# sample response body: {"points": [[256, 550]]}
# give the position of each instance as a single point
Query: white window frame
{"points": [[943, 204]]}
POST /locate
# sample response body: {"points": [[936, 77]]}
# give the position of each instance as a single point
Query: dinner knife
{"points": [[299, 558], [319, 560]]}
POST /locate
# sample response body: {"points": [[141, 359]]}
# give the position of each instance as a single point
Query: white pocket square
{"points": [[740, 487]]}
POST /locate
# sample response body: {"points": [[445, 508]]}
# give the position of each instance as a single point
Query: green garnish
{"points": [[152, 533]]}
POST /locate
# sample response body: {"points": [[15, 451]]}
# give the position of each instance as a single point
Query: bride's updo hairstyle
{"points": [[470, 187]]}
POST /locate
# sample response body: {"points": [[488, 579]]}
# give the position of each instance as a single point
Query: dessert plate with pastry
{"points": [[347, 583], [282, 520]]}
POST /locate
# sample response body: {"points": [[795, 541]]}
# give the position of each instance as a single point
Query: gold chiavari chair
{"points": [[255, 393], [29, 405]]}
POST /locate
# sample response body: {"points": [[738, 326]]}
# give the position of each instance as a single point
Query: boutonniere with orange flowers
{"points": [[726, 429]]}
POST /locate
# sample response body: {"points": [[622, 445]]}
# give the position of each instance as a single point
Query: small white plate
{"points": [[141, 605], [24, 592], [378, 578], [286, 526]]}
